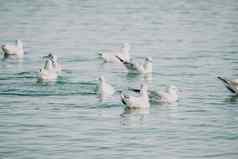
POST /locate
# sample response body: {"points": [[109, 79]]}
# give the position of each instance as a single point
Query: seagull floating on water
{"points": [[231, 85], [48, 72], [13, 50], [104, 89], [137, 102], [144, 68], [123, 53], [167, 96], [54, 60]]}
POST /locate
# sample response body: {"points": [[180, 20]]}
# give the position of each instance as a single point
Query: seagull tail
{"points": [[223, 80], [227, 84], [3, 49], [134, 90], [126, 63], [120, 59]]}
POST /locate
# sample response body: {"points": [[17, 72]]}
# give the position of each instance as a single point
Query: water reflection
{"points": [[133, 117], [16, 62], [232, 99], [146, 77], [41, 82]]}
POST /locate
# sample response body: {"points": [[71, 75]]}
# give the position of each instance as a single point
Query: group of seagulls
{"points": [[110, 56], [51, 69], [143, 96]]}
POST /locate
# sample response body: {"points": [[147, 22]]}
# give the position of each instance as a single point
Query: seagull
{"points": [[54, 59], [123, 53], [48, 72], [136, 67], [231, 85], [16, 50], [104, 89], [168, 96], [137, 102]]}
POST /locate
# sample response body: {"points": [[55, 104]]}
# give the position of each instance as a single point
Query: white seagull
{"points": [[137, 102], [54, 60], [231, 85], [144, 68], [167, 96], [13, 50], [123, 53], [48, 72], [104, 89]]}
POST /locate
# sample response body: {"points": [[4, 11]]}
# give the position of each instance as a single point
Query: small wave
{"points": [[46, 94]]}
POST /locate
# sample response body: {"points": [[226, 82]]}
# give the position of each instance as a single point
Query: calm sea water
{"points": [[191, 42]]}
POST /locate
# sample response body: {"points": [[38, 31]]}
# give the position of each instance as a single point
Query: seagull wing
{"points": [[230, 85], [10, 49], [128, 65]]}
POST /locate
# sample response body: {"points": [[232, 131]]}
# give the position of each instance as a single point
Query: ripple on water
{"points": [[191, 43]]}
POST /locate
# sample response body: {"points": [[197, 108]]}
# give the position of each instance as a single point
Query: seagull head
{"points": [[51, 57], [172, 89], [101, 79], [125, 47], [48, 56], [148, 59], [143, 88], [125, 98], [19, 43]]}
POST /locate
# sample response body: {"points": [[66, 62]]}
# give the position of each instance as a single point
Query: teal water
{"points": [[191, 42]]}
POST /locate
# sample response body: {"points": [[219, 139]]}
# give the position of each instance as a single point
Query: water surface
{"points": [[191, 42]]}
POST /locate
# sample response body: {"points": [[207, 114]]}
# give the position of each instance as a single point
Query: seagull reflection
{"points": [[133, 117], [232, 99]]}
